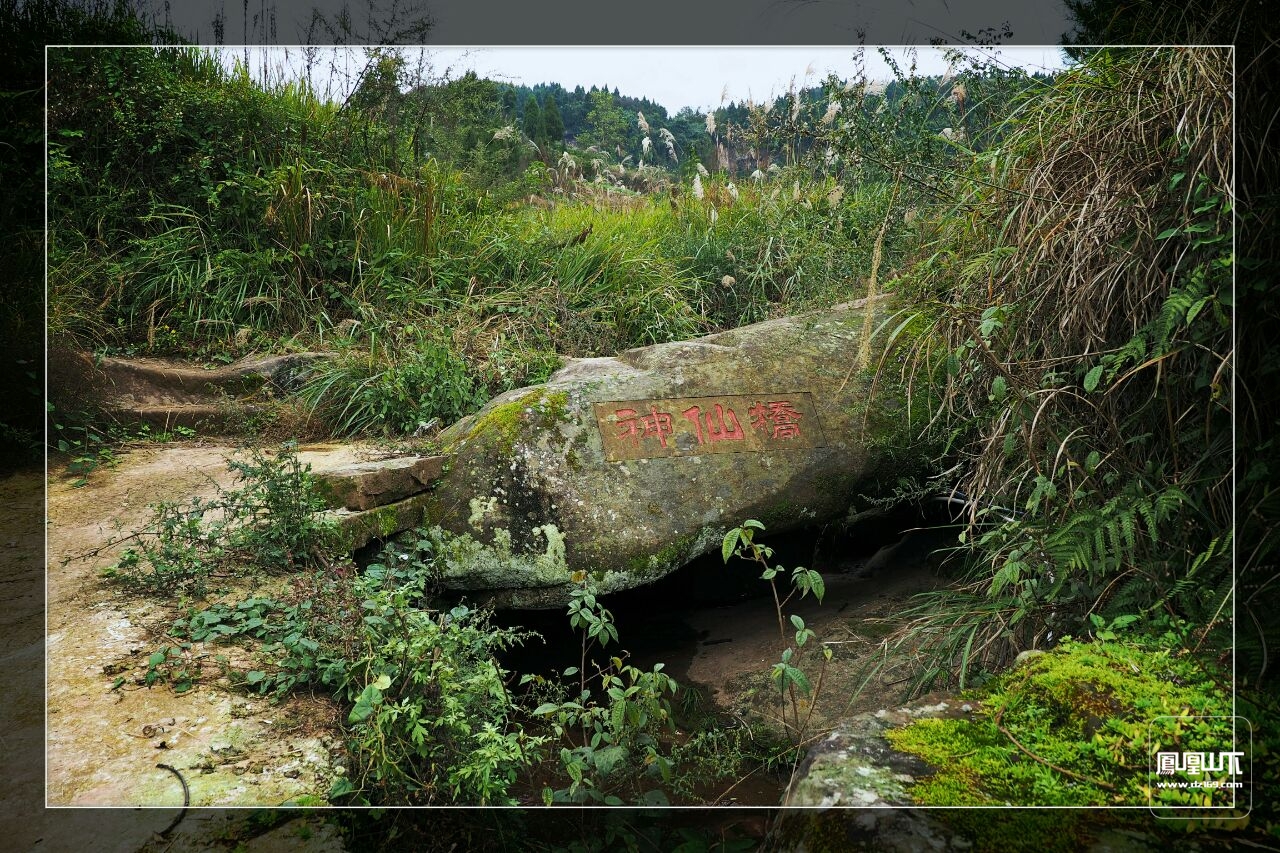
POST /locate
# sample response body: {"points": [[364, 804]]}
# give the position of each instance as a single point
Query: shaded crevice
{"points": [[654, 621]]}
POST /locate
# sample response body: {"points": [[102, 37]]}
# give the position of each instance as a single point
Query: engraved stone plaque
{"points": [[689, 426]]}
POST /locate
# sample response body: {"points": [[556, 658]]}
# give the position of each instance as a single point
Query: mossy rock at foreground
{"points": [[790, 445], [1076, 726]]}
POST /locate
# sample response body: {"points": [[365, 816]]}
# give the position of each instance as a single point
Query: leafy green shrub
{"points": [[271, 521], [431, 715], [392, 392], [305, 642], [276, 510], [787, 676], [610, 726]]}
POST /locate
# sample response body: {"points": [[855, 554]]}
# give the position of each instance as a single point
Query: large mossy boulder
{"points": [[629, 467]]}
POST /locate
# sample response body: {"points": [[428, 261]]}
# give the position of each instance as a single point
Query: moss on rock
{"points": [[1083, 708], [504, 424]]}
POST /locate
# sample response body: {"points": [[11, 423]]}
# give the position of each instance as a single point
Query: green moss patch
{"points": [[536, 411], [1081, 717]]}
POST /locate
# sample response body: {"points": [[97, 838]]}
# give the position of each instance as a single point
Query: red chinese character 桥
{"points": [[777, 414]]}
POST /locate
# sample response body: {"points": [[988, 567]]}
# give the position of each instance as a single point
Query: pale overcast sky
{"points": [[676, 77], [699, 77]]}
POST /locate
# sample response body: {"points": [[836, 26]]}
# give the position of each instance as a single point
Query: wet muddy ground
{"points": [[104, 744]]}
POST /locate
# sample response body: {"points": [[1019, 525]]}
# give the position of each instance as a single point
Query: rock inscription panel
{"points": [[689, 426]]}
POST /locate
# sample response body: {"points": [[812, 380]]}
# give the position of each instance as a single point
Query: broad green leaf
{"points": [[800, 680], [1092, 378], [817, 585], [730, 542]]}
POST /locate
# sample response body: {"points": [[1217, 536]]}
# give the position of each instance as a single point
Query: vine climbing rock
{"points": [[629, 467]]}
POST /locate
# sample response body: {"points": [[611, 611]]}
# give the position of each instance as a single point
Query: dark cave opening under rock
{"points": [[654, 621]]}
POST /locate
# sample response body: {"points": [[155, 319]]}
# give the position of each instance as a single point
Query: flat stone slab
{"points": [[856, 765], [360, 527], [365, 485]]}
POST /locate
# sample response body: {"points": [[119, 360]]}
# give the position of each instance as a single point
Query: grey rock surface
{"points": [[629, 467]]}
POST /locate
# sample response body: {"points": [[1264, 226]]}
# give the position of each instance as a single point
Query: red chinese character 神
{"points": [[779, 414], [655, 423], [718, 428]]}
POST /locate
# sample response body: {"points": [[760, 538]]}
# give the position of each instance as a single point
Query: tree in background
{"points": [[455, 121], [379, 99], [607, 125], [552, 123], [532, 125]]}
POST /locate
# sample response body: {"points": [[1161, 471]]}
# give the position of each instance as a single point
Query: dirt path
{"points": [[104, 745]]}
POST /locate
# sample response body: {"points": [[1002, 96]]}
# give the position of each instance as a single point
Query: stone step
{"points": [[366, 485], [200, 416], [357, 528], [179, 381]]}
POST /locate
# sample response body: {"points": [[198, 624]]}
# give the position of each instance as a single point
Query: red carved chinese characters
{"points": [[655, 423], [722, 424], [690, 426], [777, 414]]}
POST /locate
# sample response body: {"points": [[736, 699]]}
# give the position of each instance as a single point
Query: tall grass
{"points": [[1075, 312], [289, 217]]}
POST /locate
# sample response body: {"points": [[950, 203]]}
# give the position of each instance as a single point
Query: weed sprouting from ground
{"points": [[796, 686], [270, 521]]}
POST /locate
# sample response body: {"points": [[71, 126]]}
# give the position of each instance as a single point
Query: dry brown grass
{"points": [[1069, 241], [1069, 244]]}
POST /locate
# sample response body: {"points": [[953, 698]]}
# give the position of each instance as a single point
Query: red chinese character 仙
{"points": [[722, 424]]}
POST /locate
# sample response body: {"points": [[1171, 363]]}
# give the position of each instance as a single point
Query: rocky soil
{"points": [[104, 744]]}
